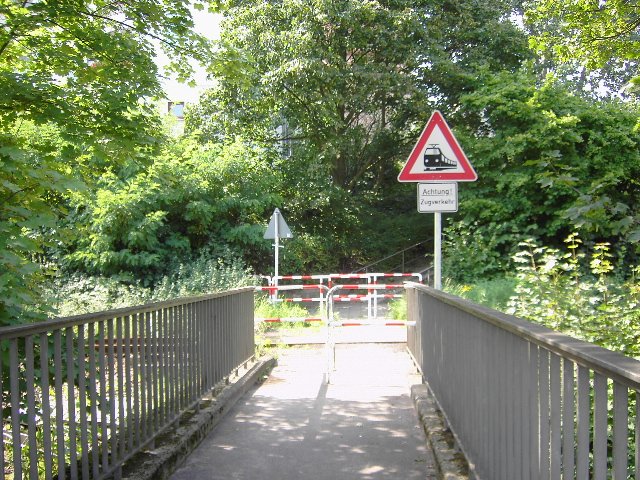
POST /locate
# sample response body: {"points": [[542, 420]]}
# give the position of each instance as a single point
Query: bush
{"points": [[77, 294]]}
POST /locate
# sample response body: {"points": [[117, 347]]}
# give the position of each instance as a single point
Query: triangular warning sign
{"points": [[282, 230], [437, 156]]}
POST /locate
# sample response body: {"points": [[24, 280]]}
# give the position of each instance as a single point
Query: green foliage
{"points": [[76, 83], [77, 294], [598, 35], [265, 308], [471, 252], [33, 178], [192, 197], [549, 162], [339, 75], [494, 293], [206, 274], [398, 309], [579, 293]]}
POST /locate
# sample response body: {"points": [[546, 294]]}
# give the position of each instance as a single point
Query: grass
{"points": [[493, 293]]}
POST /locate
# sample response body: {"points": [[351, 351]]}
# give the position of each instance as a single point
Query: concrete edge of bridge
{"points": [[450, 461], [174, 446]]}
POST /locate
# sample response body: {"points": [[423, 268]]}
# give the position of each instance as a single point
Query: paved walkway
{"points": [[294, 426]]}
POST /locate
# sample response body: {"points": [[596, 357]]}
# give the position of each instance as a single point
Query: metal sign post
{"points": [[277, 228], [437, 250]]}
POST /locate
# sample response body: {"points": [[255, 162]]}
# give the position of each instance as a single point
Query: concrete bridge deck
{"points": [[361, 426]]}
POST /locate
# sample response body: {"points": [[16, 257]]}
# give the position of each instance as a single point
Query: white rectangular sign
{"points": [[437, 197]]}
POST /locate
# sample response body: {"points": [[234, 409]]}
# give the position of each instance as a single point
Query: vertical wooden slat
{"points": [[113, 394], [14, 385], [162, 407], [154, 342], [142, 384], [501, 471], [30, 383], [122, 431], [130, 379], [180, 358], [189, 345], [104, 405], [204, 340], [148, 342], [510, 418], [544, 415], [556, 416], [568, 411], [71, 403], [584, 421], [186, 345], [46, 406], [620, 431], [526, 410], [197, 332], [208, 343], [93, 397], [60, 444], [136, 380], [82, 397], [171, 337], [600, 427], [534, 419]]}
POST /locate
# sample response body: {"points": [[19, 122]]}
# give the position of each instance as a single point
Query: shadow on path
{"points": [[294, 426]]}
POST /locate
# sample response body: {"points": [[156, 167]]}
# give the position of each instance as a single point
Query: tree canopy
{"points": [[601, 36], [76, 83]]}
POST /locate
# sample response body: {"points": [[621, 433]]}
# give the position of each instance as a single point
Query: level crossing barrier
{"points": [[84, 394], [371, 297], [322, 289], [333, 322], [526, 402]]}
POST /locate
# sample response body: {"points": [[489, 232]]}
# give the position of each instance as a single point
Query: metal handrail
{"points": [[366, 267], [525, 401], [88, 392]]}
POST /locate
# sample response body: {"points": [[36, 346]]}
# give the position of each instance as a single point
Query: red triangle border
{"points": [[467, 175]]}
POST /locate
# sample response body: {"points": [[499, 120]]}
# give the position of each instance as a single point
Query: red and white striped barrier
{"points": [[289, 319], [291, 287], [376, 324], [371, 286], [371, 277]]}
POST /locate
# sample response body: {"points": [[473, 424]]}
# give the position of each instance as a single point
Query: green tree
{"points": [[191, 199], [76, 78], [345, 88], [550, 162], [599, 36], [339, 75]]}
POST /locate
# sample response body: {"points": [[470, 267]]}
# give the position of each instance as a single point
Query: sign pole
{"points": [[437, 250], [277, 255], [277, 228]]}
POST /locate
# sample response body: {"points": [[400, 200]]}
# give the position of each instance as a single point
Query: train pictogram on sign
{"points": [[435, 161]]}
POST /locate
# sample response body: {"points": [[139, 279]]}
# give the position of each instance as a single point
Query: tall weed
{"points": [[579, 293]]}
